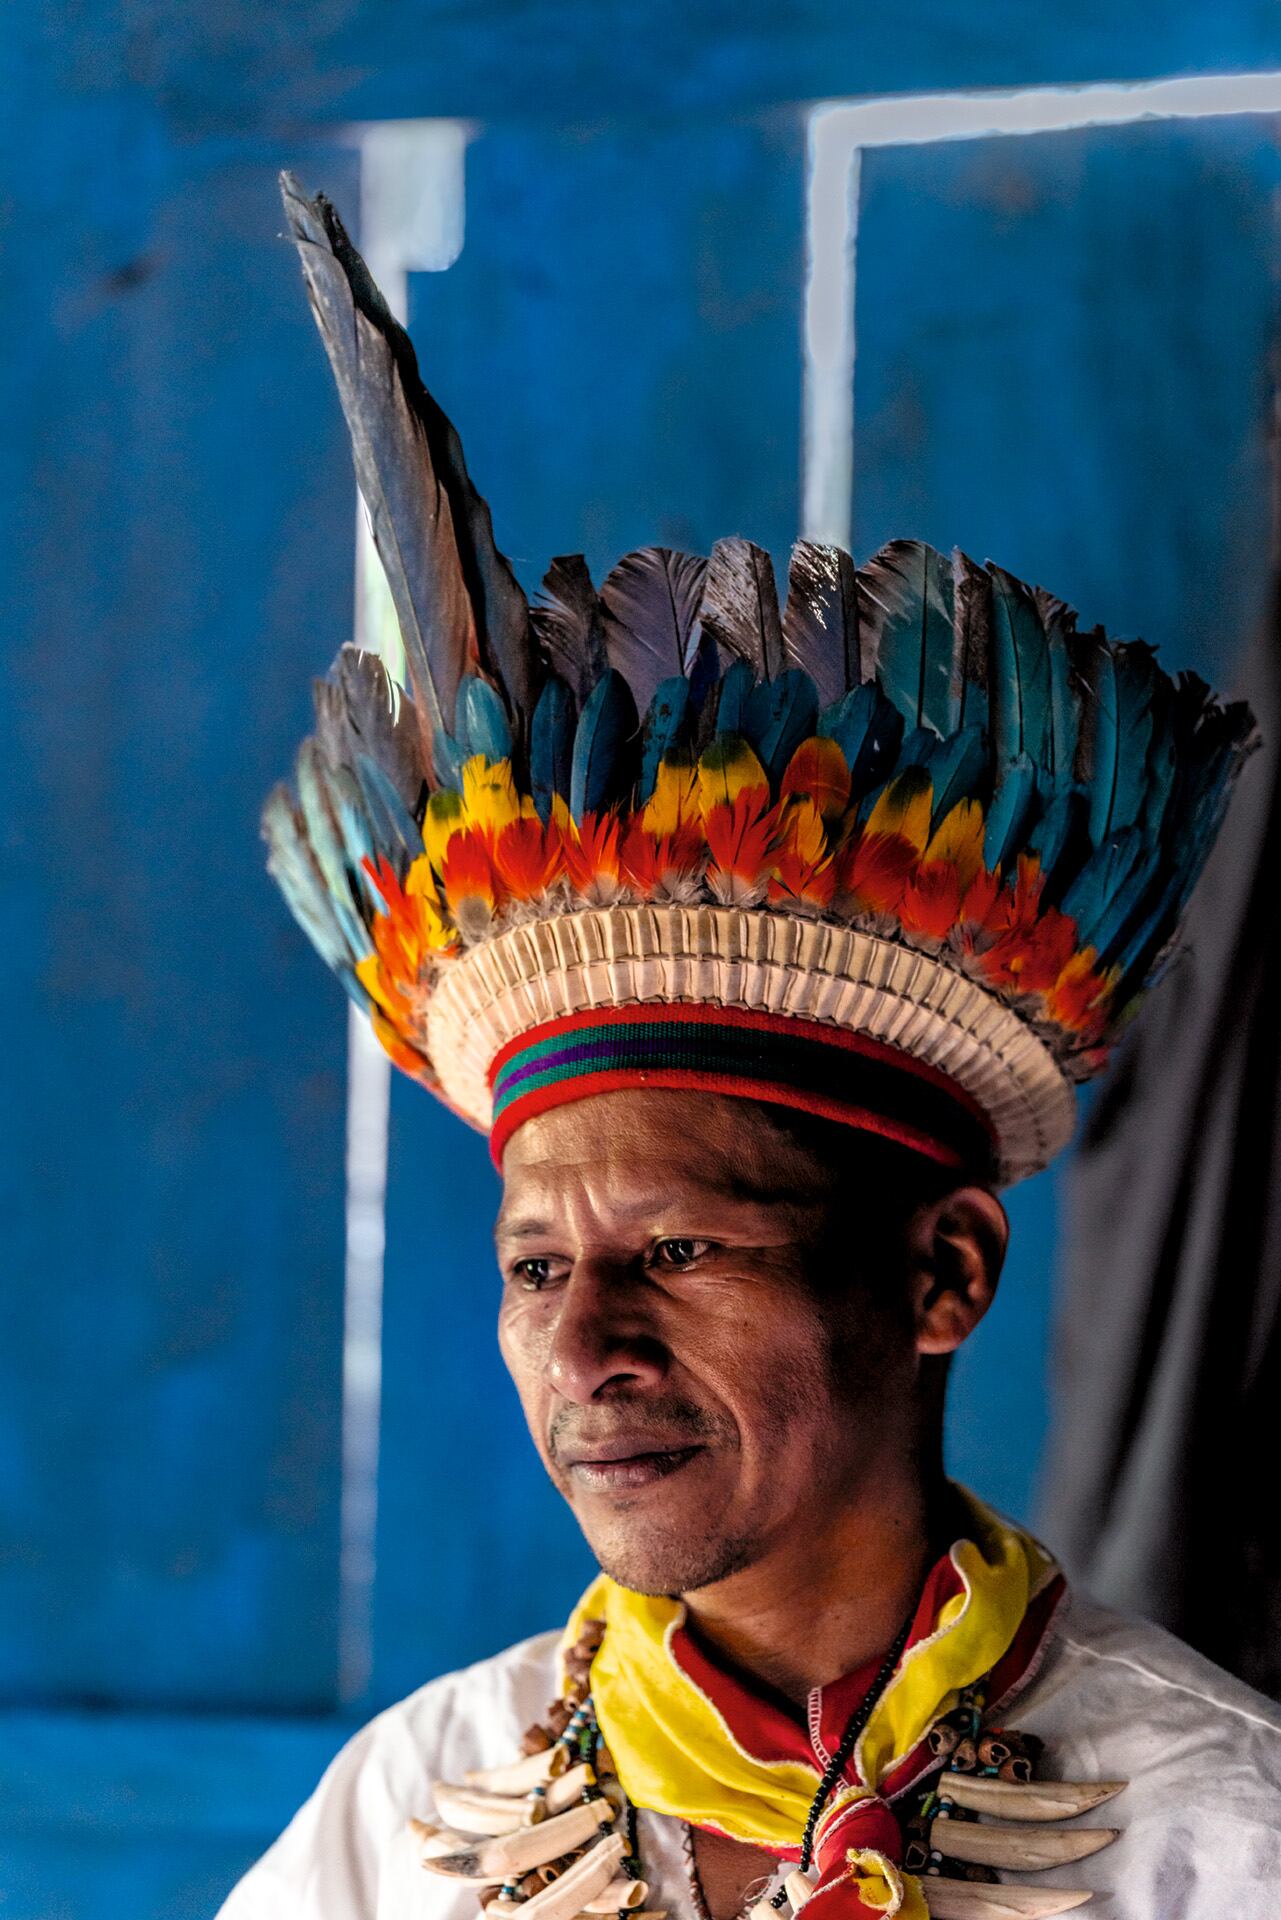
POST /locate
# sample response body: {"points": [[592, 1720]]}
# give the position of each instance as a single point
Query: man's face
{"points": [[702, 1360]]}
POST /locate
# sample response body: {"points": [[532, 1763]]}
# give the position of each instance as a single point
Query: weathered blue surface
{"points": [[1060, 361], [173, 1087], [1062, 365]]}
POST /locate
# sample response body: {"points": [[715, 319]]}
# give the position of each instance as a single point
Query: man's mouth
{"points": [[626, 1464]]}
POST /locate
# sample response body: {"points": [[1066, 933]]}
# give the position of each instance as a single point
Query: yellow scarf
{"points": [[675, 1753]]}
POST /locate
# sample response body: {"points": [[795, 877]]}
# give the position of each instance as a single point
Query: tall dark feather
{"points": [[650, 608], [568, 624], [740, 605], [820, 620], [456, 598]]}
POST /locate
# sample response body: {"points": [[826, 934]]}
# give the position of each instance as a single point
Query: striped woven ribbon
{"points": [[804, 1064]]}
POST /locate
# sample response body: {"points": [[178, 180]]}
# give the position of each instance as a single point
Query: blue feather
{"points": [[1123, 690], [319, 812], [395, 828], [1059, 752], [480, 721], [551, 746], [1092, 896], [905, 623], [780, 714], [1127, 904], [1020, 673], [735, 693], [604, 763], [667, 729], [1011, 814], [447, 758], [293, 866], [957, 768], [1061, 841], [918, 744], [868, 730]]}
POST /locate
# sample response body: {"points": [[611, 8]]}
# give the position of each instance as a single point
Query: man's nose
{"points": [[604, 1342]]}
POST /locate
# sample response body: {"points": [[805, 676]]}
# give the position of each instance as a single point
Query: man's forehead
{"points": [[647, 1141]]}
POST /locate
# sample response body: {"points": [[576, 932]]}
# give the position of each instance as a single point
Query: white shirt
{"points": [[1114, 1699]]}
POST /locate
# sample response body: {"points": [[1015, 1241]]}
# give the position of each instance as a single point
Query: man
{"points": [[759, 997]]}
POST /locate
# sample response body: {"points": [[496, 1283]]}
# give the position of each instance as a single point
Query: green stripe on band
{"points": [[803, 1064]]}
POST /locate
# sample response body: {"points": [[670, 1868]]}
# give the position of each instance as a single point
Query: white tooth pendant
{"points": [[588, 1876], [506, 1856], [1021, 1848], [971, 1900], [620, 1896], [1030, 1800], [522, 1776], [799, 1887], [485, 1813]]}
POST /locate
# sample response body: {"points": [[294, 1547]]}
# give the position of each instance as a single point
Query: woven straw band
{"points": [[759, 1056], [921, 1009]]}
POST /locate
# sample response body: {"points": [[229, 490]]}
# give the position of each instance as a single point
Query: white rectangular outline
{"points": [[838, 133]]}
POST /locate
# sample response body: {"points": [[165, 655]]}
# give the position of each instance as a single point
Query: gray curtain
{"points": [[1161, 1487]]}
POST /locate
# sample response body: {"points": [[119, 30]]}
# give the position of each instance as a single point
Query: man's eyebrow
{"points": [[520, 1229], [739, 1192]]}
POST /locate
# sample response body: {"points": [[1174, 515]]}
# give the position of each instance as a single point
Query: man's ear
{"points": [[956, 1246]]}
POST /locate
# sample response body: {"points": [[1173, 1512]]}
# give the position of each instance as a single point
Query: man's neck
{"points": [[820, 1606]]}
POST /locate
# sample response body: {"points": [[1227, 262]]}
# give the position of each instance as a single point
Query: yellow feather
{"points": [[904, 808], [420, 880], [490, 799], [441, 822], [672, 801], [369, 974], [959, 841], [727, 769]]}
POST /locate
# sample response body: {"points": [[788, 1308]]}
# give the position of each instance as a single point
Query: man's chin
{"points": [[660, 1560]]}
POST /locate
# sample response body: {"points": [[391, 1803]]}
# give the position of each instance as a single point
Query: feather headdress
{"points": [[905, 851]]}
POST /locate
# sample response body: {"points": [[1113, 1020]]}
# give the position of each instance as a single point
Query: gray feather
{"points": [[820, 620]]}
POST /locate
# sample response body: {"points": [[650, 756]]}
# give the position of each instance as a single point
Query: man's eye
{"points": [[532, 1274], [680, 1253]]}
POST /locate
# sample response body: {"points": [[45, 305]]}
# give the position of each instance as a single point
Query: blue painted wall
{"points": [[1062, 348]]}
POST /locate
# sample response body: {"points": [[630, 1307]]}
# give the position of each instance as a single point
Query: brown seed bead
{"points": [[576, 1693], [535, 1740], [1017, 1769], [558, 1718], [965, 1756], [993, 1749], [943, 1739], [487, 1894], [605, 1761]]}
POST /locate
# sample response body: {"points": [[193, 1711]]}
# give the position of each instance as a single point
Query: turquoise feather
{"points": [[395, 829], [480, 721], [958, 769], [667, 729], [1020, 673], [868, 731], [1012, 813], [905, 622], [780, 714]]}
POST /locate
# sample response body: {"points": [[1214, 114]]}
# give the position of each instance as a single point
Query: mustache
{"points": [[662, 1429]]}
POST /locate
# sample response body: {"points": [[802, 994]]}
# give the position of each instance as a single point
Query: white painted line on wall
{"points": [[838, 133], [412, 209]]}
